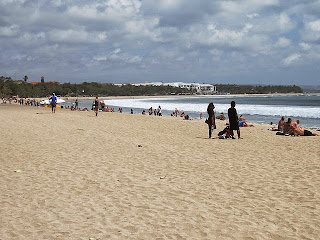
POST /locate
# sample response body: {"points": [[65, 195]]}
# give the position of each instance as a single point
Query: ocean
{"points": [[255, 109]]}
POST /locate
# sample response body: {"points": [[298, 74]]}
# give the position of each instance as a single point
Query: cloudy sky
{"points": [[131, 41]]}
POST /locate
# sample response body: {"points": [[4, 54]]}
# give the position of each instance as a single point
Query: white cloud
{"points": [[291, 59], [305, 46], [253, 15], [312, 31], [274, 24], [77, 36], [10, 31], [315, 25], [246, 6], [283, 42]]}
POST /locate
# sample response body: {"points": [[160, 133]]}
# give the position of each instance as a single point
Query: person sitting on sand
{"points": [[281, 124], [221, 116], [287, 126], [295, 124], [182, 114], [243, 122], [143, 112], [225, 133]]}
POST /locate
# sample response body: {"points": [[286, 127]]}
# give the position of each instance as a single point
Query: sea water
{"points": [[255, 109]]}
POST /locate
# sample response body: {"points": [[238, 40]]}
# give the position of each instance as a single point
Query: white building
{"points": [[198, 87]]}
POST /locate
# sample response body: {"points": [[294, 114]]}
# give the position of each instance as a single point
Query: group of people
{"points": [[233, 120], [291, 128], [183, 114], [156, 111]]}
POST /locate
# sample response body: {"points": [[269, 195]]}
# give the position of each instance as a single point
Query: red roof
{"points": [[34, 83]]}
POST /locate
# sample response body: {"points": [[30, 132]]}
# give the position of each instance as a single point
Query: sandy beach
{"points": [[71, 175]]}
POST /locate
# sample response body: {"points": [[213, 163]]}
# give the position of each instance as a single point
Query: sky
{"points": [[273, 42]]}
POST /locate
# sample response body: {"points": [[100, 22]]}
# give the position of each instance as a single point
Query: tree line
{"points": [[252, 89], [23, 89], [9, 88]]}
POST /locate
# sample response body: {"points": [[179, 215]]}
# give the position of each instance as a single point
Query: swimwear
{"points": [[241, 124], [307, 133]]}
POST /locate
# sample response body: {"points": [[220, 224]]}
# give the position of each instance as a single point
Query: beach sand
{"points": [[71, 175]]}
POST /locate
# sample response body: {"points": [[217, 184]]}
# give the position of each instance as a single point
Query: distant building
{"points": [[34, 83], [197, 87]]}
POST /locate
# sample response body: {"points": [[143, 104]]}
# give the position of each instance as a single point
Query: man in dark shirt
{"points": [[233, 120]]}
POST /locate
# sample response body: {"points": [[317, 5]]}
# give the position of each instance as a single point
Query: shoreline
{"points": [[266, 125], [194, 96]]}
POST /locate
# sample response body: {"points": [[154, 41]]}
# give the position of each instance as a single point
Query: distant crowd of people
{"points": [[21, 101], [288, 128]]}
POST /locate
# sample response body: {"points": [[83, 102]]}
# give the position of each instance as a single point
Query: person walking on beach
{"points": [[77, 103], [53, 102], [233, 120], [211, 119], [96, 106]]}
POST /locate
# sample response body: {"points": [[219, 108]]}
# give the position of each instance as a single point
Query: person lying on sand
{"points": [[295, 130], [300, 132]]}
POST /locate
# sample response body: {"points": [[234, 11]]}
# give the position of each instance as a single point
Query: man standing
{"points": [[53, 102], [233, 120]]}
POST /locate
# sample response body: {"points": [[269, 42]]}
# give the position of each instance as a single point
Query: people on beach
{"points": [[233, 120], [159, 111], [243, 122], [281, 124], [300, 132], [287, 127], [221, 116], [295, 130], [76, 104], [211, 118], [53, 102], [96, 106], [295, 124], [225, 133], [176, 112]]}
